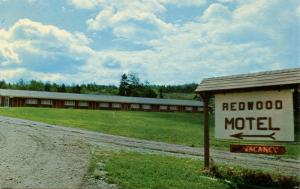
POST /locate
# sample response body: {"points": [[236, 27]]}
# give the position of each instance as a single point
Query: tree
{"points": [[76, 89], [35, 85], [161, 93], [21, 84], [3, 85], [147, 90], [47, 86], [131, 86], [124, 86], [54, 87], [133, 79], [62, 88], [150, 93], [135, 87]]}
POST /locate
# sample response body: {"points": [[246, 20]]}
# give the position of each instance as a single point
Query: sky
{"points": [[164, 41]]}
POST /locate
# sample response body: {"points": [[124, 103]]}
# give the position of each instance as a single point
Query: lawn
{"points": [[132, 170], [177, 128], [145, 171]]}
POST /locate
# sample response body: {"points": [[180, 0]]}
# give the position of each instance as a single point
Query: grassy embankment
{"points": [[177, 128], [141, 171]]}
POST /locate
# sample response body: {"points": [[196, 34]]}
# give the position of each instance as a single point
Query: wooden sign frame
{"points": [[277, 80]]}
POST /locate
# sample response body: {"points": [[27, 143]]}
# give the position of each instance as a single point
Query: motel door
{"points": [[6, 101]]}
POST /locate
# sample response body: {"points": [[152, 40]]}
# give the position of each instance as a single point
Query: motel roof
{"points": [[259, 80], [98, 98]]}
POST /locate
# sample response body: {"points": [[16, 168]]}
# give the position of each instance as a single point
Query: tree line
{"points": [[130, 85], [34, 85]]}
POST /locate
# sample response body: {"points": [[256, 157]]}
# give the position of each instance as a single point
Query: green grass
{"points": [[180, 128], [177, 128], [144, 171]]}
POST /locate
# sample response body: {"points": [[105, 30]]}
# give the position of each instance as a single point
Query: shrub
{"points": [[245, 178]]}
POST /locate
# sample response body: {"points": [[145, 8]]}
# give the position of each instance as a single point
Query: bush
{"points": [[245, 178]]}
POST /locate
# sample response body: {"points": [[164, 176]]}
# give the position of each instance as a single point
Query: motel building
{"points": [[23, 98]]}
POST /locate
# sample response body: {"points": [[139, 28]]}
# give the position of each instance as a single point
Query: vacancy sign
{"points": [[259, 115]]}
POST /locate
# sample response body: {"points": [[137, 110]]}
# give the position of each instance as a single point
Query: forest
{"points": [[130, 85]]}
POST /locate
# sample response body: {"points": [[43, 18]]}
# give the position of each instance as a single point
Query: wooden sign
{"points": [[257, 149], [259, 115]]}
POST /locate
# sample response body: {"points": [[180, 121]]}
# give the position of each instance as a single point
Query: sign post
{"points": [[206, 98]]}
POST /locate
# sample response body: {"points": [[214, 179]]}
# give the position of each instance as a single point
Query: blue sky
{"points": [[164, 41]]}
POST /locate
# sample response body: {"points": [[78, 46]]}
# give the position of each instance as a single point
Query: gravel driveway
{"points": [[39, 155], [37, 158]]}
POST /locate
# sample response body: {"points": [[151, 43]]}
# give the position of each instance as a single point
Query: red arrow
{"points": [[241, 136]]}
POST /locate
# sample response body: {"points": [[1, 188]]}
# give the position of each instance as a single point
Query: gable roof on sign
{"points": [[98, 98], [286, 77]]}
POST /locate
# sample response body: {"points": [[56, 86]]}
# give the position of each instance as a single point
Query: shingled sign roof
{"points": [[286, 77]]}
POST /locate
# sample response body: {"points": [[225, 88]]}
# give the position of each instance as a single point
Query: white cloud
{"points": [[119, 14], [84, 4], [226, 1], [7, 53], [216, 12], [90, 4], [127, 61], [220, 42], [252, 36], [115, 13], [298, 11], [185, 3], [11, 74], [27, 36], [23, 73], [28, 29], [31, 1], [226, 42]]}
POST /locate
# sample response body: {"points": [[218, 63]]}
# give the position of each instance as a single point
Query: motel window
{"points": [[83, 104], [173, 108], [69, 103], [31, 101], [146, 107], [134, 106], [116, 105], [188, 108], [163, 107], [103, 105], [46, 102], [200, 109]]}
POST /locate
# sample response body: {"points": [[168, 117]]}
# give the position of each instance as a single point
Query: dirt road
{"points": [[40, 159], [40, 155]]}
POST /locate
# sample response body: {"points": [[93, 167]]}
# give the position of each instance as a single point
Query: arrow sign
{"points": [[241, 136]]}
